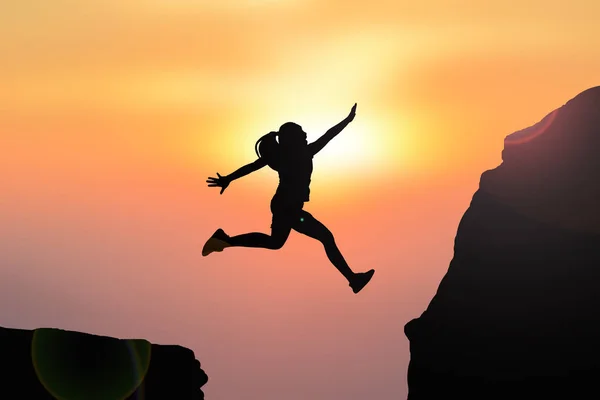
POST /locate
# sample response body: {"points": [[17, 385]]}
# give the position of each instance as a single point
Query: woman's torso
{"points": [[295, 172]]}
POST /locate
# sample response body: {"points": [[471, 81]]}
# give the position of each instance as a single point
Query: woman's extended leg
{"points": [[310, 226]]}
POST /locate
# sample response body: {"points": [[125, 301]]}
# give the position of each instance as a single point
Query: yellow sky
{"points": [[229, 71]]}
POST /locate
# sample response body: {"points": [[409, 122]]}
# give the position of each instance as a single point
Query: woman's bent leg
{"points": [[279, 234]]}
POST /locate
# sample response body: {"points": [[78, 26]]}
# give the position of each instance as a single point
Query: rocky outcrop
{"points": [[518, 313], [45, 364]]}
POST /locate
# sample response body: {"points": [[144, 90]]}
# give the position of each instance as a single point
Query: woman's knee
{"points": [[278, 239], [326, 237], [277, 243]]}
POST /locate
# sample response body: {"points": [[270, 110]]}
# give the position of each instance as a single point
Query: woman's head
{"points": [[292, 135]]}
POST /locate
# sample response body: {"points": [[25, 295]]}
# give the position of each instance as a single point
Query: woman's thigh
{"points": [[312, 227]]}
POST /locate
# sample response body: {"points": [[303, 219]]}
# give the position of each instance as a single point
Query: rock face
{"points": [[47, 364], [518, 313]]}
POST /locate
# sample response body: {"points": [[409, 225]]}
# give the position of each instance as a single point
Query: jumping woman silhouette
{"points": [[291, 156]]}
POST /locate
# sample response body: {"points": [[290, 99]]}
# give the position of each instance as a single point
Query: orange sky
{"points": [[113, 115]]}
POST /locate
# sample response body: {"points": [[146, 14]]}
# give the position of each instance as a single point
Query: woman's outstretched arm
{"points": [[224, 181], [318, 144], [247, 169]]}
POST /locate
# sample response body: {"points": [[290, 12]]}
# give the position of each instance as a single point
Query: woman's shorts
{"points": [[286, 211]]}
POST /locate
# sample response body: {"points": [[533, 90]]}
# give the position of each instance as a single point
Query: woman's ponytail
{"points": [[267, 147]]}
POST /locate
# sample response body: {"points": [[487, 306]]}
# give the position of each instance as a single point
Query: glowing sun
{"points": [[356, 150]]}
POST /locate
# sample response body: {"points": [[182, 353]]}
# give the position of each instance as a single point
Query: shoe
{"points": [[360, 280], [217, 242]]}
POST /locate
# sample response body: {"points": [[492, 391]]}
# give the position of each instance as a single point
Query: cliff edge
{"points": [[47, 364], [517, 315]]}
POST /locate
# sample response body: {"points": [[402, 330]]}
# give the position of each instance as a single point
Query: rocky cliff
{"points": [[518, 313], [46, 364]]}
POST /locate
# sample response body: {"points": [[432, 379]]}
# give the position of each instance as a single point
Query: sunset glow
{"points": [[114, 113]]}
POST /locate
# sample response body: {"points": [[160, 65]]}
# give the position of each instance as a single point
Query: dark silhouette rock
{"points": [[51, 363], [518, 313]]}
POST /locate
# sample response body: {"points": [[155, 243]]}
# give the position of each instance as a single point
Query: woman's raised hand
{"points": [[352, 113], [221, 181]]}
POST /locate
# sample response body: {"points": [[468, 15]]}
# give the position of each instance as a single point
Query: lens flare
{"points": [[75, 366], [530, 134]]}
